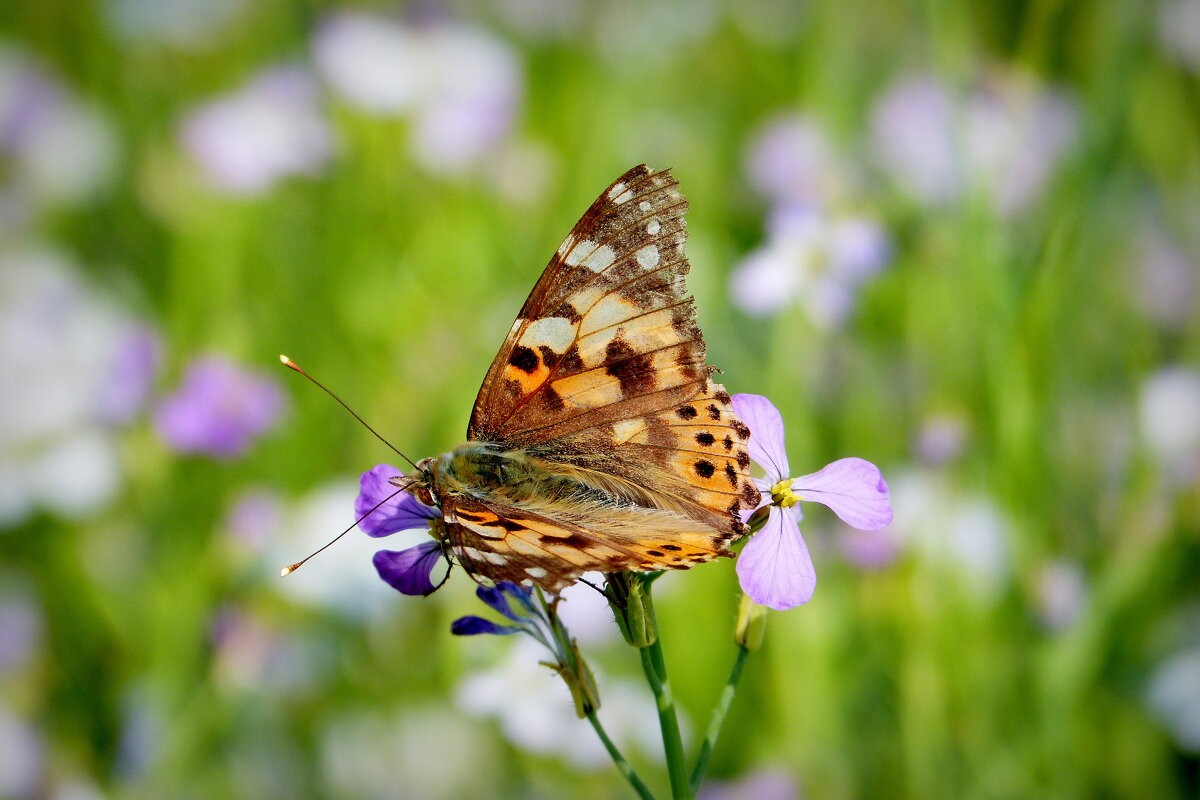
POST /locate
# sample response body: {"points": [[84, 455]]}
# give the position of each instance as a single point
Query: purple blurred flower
{"points": [[767, 784], [128, 383], [218, 410], [54, 149], [1165, 278], [791, 160], [1006, 136], [188, 24], [774, 568], [461, 85], [810, 256], [385, 510], [268, 130]]}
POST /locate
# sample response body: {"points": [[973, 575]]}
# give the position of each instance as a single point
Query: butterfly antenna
{"points": [[292, 365], [288, 570]]}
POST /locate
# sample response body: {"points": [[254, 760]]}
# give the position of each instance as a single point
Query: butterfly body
{"points": [[598, 440]]}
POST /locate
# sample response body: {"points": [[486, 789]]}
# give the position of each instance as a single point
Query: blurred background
{"points": [[958, 240]]}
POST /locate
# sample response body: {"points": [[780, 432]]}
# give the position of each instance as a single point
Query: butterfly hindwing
{"points": [[553, 546]]}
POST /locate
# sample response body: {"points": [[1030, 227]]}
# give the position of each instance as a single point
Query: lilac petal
{"points": [[408, 571], [495, 597], [473, 626], [853, 488], [774, 567], [766, 433], [401, 513]]}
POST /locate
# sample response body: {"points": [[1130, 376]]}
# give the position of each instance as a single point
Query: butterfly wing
{"points": [[553, 546], [604, 371]]}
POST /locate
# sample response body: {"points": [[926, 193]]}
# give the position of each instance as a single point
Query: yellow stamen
{"points": [[782, 494]]}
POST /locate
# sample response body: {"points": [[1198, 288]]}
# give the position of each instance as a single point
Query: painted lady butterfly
{"points": [[598, 440]]}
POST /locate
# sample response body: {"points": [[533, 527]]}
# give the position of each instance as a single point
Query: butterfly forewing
{"points": [[603, 376]]}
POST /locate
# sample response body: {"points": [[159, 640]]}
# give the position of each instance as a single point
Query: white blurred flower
{"points": [[460, 85], [962, 531], [820, 260], [1005, 136], [1174, 696], [54, 149], [536, 713], [270, 129], [542, 19], [1165, 280], [22, 756], [60, 345], [345, 580], [764, 784], [791, 160], [1179, 31], [20, 624], [188, 24], [1061, 592], [382, 755], [586, 613], [1169, 419]]}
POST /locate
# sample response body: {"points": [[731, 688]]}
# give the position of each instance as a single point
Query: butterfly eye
{"points": [[424, 495]]}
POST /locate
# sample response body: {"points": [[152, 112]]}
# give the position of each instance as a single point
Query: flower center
{"points": [[782, 494]]}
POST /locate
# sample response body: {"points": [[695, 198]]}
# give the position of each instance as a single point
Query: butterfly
{"points": [[599, 441]]}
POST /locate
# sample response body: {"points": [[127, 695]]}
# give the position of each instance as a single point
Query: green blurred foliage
{"points": [[395, 285]]}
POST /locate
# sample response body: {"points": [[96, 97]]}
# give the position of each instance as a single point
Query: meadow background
{"points": [[960, 240]]}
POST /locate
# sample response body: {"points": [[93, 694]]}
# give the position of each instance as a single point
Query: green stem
{"points": [[656, 673], [718, 719], [618, 759]]}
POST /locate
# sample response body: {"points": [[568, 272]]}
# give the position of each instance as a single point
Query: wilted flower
{"points": [[385, 510], [501, 598], [774, 568], [218, 410], [460, 85], [270, 129], [1006, 137], [809, 255]]}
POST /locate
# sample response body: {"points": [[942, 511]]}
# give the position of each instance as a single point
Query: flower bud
{"points": [[634, 614], [751, 624]]}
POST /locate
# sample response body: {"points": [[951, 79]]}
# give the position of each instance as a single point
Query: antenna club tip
{"points": [[287, 362], [288, 570]]}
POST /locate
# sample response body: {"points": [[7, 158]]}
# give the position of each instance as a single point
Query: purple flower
{"points": [[497, 598], [218, 410], [791, 160], [126, 387], [384, 510], [270, 129], [774, 568]]}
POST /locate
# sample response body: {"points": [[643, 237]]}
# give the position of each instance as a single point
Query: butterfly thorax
{"points": [[486, 470]]}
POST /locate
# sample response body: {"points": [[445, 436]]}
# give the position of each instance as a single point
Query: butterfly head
{"points": [[419, 482]]}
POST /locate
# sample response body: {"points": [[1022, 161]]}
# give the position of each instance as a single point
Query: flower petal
{"points": [[766, 444], [495, 597], [408, 571], [853, 488], [774, 567], [473, 626], [400, 513]]}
